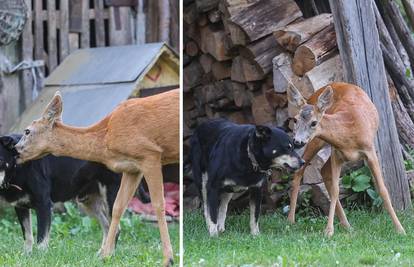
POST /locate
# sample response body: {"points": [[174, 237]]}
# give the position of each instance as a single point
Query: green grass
{"points": [[75, 240], [372, 241]]}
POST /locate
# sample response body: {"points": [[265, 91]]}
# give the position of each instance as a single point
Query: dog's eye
{"points": [[27, 132], [313, 124], [274, 151]]}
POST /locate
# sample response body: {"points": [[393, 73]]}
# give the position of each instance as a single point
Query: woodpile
{"points": [[241, 55]]}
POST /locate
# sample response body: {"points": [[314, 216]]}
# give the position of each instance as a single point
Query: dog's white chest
{"points": [[24, 200]]}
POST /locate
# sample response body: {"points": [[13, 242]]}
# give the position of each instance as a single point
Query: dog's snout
{"points": [[298, 144], [301, 162]]}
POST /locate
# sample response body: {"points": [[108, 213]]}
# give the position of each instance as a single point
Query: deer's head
{"points": [[307, 120], [38, 135]]}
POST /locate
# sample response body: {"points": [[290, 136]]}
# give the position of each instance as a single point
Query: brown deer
{"points": [[343, 116], [136, 139]]}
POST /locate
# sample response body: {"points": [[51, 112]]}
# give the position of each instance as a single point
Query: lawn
{"points": [[75, 240], [372, 241]]}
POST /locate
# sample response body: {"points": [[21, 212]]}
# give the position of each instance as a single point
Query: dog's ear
{"points": [[263, 132], [8, 141]]}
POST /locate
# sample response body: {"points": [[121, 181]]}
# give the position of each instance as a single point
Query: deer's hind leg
{"points": [[374, 165], [153, 176]]}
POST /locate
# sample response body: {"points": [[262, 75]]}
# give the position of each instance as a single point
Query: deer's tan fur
{"points": [[137, 138], [347, 120]]}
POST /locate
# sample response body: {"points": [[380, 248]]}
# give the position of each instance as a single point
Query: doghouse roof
{"points": [[94, 81]]}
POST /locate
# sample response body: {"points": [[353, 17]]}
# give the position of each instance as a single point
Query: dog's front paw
{"points": [[221, 228], [27, 249], [255, 231]]}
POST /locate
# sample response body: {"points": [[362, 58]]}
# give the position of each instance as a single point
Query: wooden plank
{"points": [[38, 6], [122, 35], [85, 38], [99, 23], [51, 38], [64, 30], [359, 47], [27, 54]]}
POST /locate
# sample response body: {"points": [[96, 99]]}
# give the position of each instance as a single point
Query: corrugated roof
{"points": [[105, 65]]}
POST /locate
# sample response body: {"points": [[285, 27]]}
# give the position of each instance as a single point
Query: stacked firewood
{"points": [[241, 55]]}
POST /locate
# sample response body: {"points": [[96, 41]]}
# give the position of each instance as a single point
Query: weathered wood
{"points": [[119, 31], [85, 38], [164, 20], [214, 16], [268, 16], [38, 28], [409, 10], [99, 23], [293, 35], [242, 97], [212, 43], [401, 27], [262, 52], [221, 70], [51, 40], [191, 48], [193, 73], [242, 70], [64, 30], [206, 5], [190, 14], [27, 54], [360, 52], [262, 112], [310, 54], [206, 61]]}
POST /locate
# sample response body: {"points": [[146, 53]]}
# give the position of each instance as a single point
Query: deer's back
{"points": [[145, 125]]}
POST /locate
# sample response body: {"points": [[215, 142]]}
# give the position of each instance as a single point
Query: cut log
{"points": [[206, 62], [263, 113], [242, 96], [317, 49], [242, 70], [293, 35], [214, 16], [193, 74], [265, 17], [190, 14], [206, 5], [191, 48], [221, 69], [262, 52], [212, 42], [276, 100]]}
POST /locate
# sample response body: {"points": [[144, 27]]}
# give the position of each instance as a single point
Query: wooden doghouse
{"points": [[94, 81]]}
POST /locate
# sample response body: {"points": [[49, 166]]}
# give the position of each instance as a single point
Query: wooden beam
{"points": [[359, 47]]}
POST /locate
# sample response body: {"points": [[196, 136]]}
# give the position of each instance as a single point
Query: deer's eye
{"points": [[27, 132], [294, 120], [314, 123]]}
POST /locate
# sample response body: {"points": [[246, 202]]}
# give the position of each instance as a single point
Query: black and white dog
{"points": [[228, 158], [39, 183]]}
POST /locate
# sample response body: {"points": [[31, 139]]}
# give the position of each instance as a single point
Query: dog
{"points": [[227, 158], [39, 183]]}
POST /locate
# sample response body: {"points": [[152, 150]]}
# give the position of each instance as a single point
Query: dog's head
{"points": [[8, 155], [275, 146]]}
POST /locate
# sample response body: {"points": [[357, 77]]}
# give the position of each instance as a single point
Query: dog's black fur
{"points": [[221, 164], [39, 183]]}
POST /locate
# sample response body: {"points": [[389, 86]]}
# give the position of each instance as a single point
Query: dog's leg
{"points": [[129, 184], [310, 151], [153, 175], [373, 164], [212, 227], [25, 220], [212, 211], [95, 208], [224, 202], [44, 219], [326, 175], [336, 164], [255, 204]]}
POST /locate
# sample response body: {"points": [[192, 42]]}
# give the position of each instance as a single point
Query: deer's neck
{"points": [[82, 143], [333, 130]]}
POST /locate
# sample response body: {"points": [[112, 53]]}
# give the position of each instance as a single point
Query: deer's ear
{"points": [[53, 110], [325, 99], [294, 97]]}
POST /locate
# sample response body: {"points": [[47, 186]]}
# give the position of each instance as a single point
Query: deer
{"points": [[135, 139], [343, 116]]}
